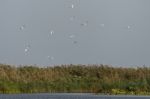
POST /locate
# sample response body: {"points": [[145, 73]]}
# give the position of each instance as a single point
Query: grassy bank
{"points": [[75, 78]]}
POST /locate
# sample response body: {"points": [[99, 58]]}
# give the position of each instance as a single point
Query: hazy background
{"points": [[48, 32]]}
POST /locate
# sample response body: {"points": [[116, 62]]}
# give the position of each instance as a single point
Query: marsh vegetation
{"points": [[75, 79]]}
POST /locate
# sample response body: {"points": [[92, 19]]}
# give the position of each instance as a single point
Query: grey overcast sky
{"points": [[48, 32]]}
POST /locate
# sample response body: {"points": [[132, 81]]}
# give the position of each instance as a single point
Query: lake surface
{"points": [[67, 96]]}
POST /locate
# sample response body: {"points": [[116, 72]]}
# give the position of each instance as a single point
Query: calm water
{"points": [[68, 96]]}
